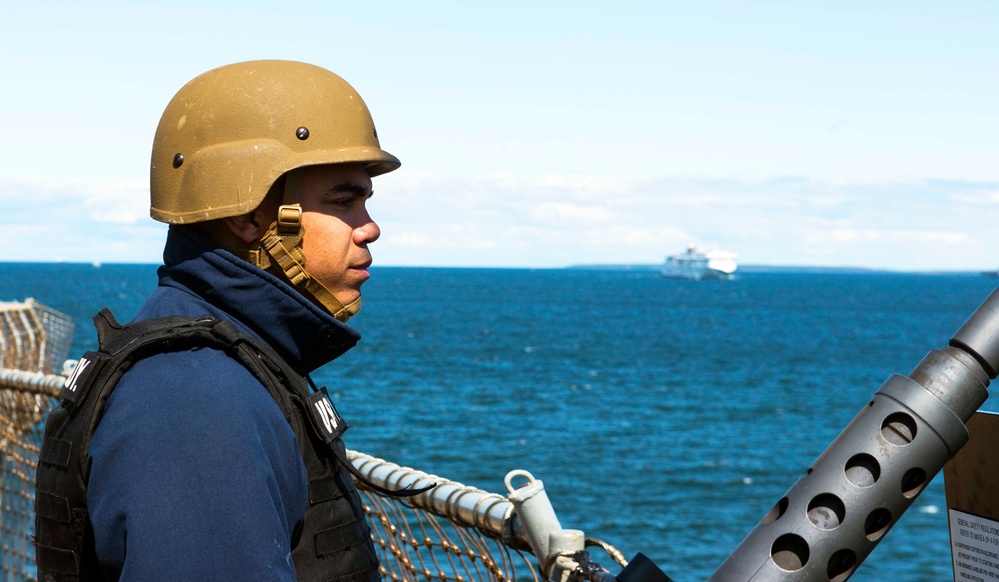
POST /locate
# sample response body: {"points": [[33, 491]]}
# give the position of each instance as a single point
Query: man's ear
{"points": [[245, 227]]}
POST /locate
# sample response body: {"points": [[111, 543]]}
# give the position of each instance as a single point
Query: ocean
{"points": [[663, 416]]}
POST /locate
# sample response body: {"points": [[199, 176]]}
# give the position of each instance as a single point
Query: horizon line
{"points": [[756, 268]]}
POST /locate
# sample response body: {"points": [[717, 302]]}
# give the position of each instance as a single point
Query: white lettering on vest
{"points": [[327, 415], [71, 381]]}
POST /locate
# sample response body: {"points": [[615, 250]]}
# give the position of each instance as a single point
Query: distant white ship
{"points": [[692, 264]]}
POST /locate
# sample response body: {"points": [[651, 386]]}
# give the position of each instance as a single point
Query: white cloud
{"points": [[551, 220], [985, 196], [844, 235], [121, 202], [565, 213], [409, 239], [80, 222]]}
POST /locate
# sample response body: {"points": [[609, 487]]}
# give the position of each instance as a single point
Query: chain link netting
{"points": [[34, 341]]}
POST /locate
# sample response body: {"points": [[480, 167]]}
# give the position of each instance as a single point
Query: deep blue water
{"points": [[663, 416]]}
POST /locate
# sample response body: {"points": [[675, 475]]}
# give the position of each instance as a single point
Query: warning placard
{"points": [[975, 547]]}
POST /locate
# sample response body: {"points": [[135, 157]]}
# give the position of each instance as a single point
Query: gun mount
{"points": [[832, 518]]}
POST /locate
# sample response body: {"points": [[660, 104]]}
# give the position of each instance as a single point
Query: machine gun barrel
{"points": [[827, 524]]}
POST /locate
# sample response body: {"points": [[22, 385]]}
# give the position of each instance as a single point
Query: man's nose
{"points": [[367, 232]]}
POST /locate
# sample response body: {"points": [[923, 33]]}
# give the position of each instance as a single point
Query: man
{"points": [[201, 468]]}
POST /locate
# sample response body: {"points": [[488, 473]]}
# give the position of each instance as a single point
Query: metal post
{"points": [[552, 545]]}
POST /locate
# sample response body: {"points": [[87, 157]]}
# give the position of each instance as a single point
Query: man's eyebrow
{"points": [[355, 188]]}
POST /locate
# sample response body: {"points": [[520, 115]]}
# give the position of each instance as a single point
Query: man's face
{"points": [[338, 227]]}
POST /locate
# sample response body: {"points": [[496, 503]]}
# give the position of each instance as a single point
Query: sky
{"points": [[545, 134]]}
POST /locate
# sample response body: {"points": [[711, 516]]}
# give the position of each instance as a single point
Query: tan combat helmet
{"points": [[228, 135]]}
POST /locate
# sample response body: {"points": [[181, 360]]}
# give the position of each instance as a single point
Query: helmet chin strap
{"points": [[281, 247]]}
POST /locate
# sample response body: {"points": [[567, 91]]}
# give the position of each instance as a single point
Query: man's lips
{"points": [[362, 269]]}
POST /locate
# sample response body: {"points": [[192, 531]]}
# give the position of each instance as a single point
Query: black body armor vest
{"points": [[334, 542]]}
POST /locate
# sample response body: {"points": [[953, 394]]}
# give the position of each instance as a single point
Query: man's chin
{"points": [[348, 298], [349, 309]]}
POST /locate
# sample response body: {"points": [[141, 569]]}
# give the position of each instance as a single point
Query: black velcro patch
{"points": [[77, 383], [54, 507], [338, 538], [324, 416], [57, 560], [55, 452], [324, 488]]}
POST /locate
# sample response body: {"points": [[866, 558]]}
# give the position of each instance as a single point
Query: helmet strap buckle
{"points": [[289, 220]]}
